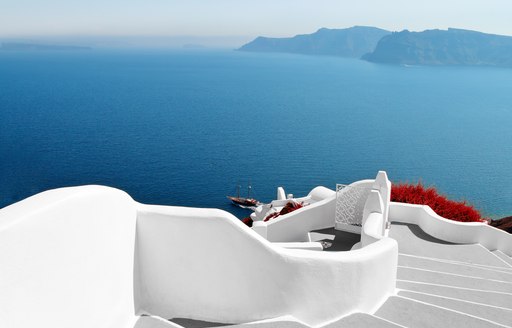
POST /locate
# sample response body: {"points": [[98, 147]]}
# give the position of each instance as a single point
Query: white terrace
{"points": [[93, 257]]}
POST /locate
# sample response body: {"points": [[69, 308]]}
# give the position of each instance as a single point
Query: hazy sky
{"points": [[20, 18]]}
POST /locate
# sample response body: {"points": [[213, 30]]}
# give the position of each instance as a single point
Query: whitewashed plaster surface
{"points": [[92, 257], [449, 230]]}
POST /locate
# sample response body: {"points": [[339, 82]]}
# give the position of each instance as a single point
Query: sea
{"points": [[186, 127]]}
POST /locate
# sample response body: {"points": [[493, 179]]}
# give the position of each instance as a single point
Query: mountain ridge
{"points": [[443, 47], [434, 47], [349, 42]]}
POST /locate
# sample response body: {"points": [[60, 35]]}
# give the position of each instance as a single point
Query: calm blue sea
{"points": [[185, 127]]}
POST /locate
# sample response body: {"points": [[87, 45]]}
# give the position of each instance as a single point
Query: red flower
{"points": [[288, 208], [449, 209], [271, 216], [248, 221]]}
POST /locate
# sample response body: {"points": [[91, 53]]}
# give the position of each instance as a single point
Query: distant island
{"points": [[430, 47], [443, 47], [19, 46], [350, 42]]}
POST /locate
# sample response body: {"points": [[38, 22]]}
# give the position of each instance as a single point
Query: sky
{"points": [[242, 19]]}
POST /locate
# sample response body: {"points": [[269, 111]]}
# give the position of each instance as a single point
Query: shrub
{"points": [[288, 208], [449, 209], [248, 221], [271, 216]]}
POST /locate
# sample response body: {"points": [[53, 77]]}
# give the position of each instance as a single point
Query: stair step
{"points": [[450, 279], [499, 315], [411, 313], [503, 300], [503, 256], [456, 268], [361, 320], [413, 240]]}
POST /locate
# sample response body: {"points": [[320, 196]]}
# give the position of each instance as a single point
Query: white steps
{"points": [[496, 314], [465, 269], [472, 295], [453, 280], [503, 257], [439, 284], [414, 241], [442, 284], [411, 313]]}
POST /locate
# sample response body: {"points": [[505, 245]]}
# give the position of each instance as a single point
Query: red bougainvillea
{"points": [[288, 208], [248, 221], [449, 209], [271, 216]]}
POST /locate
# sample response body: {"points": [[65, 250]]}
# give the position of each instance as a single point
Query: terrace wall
{"points": [[92, 257], [449, 230], [207, 265], [66, 259]]}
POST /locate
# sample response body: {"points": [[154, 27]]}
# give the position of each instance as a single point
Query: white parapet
{"points": [[92, 257], [449, 230], [66, 259], [295, 226], [216, 269]]}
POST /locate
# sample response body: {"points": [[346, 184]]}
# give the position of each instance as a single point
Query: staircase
{"points": [[439, 284]]}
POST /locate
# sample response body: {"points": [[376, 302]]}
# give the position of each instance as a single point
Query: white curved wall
{"points": [[66, 259], [320, 193], [206, 264], [449, 230], [92, 257]]}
